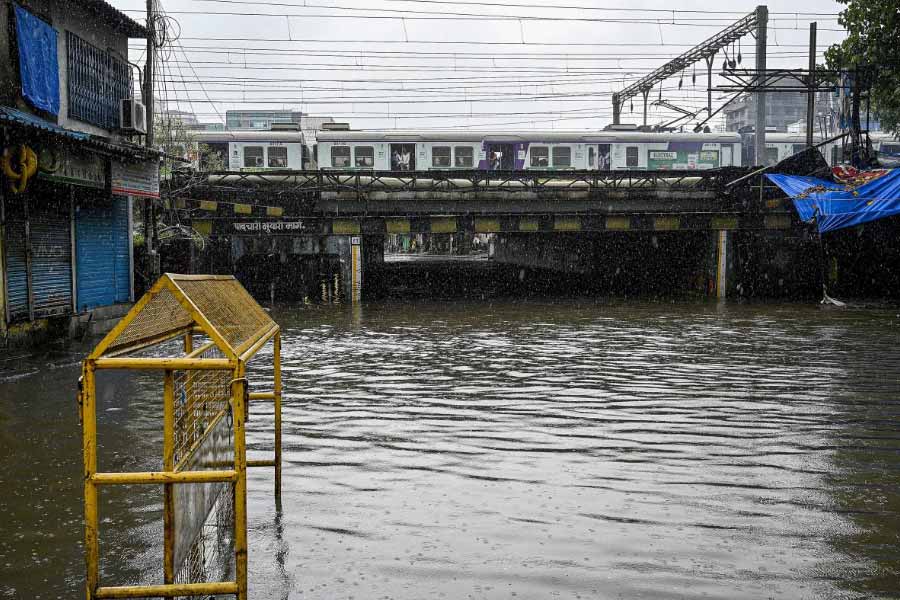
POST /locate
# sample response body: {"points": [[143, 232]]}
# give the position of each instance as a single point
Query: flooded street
{"points": [[569, 449]]}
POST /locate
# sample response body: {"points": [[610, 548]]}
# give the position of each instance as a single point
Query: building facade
{"points": [[783, 110], [70, 171]]}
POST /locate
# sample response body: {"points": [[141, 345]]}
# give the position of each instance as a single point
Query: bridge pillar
{"points": [[720, 260]]}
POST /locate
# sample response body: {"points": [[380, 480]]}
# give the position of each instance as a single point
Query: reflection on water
{"points": [[474, 450]]}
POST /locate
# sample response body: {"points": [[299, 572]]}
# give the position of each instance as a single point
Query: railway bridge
{"points": [[719, 236]]}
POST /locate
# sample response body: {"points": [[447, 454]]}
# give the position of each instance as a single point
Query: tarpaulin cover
{"points": [[835, 205], [38, 66]]}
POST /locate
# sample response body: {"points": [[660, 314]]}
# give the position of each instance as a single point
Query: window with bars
{"points": [[97, 83]]}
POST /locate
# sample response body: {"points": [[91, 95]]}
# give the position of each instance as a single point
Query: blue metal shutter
{"points": [[51, 256], [122, 241], [102, 245], [16, 265]]}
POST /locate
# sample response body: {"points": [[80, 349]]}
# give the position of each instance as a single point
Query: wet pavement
{"points": [[458, 449]]}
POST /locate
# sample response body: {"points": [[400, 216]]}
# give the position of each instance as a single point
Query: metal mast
{"points": [[705, 51]]}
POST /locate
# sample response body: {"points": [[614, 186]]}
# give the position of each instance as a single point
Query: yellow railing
{"points": [[184, 438]]}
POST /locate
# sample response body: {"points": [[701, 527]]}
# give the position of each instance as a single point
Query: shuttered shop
{"points": [[51, 258], [103, 252], [42, 232], [16, 266]]}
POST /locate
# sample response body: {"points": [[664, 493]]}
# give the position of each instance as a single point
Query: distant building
{"points": [[69, 130], [783, 109], [264, 119], [176, 117]]}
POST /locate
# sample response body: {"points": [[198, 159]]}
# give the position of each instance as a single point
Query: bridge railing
{"points": [[362, 182]]}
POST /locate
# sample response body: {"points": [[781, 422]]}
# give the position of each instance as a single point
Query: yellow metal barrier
{"points": [[200, 331]]}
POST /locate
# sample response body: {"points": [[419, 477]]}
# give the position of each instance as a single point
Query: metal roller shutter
{"points": [[103, 250], [51, 257], [16, 265]]}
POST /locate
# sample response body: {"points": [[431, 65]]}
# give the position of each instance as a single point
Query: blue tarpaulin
{"points": [[38, 66], [835, 205]]}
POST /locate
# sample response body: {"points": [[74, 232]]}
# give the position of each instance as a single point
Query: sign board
{"points": [[194, 501], [681, 160], [135, 179], [86, 170], [268, 227], [354, 241]]}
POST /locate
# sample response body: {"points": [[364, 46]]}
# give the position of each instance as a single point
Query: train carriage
{"points": [[250, 150], [552, 151]]}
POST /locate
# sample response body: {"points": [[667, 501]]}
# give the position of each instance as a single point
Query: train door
{"points": [[501, 157], [725, 156], [604, 154], [403, 157]]}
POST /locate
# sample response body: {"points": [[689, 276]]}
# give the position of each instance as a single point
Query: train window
{"points": [[771, 156], [278, 157], [562, 156], [540, 156], [465, 156], [440, 156], [365, 157], [340, 156], [890, 148], [253, 156], [632, 158], [798, 148]]}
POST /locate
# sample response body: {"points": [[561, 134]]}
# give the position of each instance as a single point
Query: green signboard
{"points": [[682, 159]]}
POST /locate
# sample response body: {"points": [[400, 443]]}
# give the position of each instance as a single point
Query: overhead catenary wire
{"points": [[582, 79], [666, 11], [458, 16]]}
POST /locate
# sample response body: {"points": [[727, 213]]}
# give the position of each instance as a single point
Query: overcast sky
{"points": [[381, 73]]}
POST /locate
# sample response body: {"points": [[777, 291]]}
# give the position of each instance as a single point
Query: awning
{"points": [[36, 125], [833, 205]]}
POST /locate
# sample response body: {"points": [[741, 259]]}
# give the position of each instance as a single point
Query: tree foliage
{"points": [[873, 46]]}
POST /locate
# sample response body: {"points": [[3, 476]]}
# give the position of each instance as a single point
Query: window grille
{"points": [[97, 83]]}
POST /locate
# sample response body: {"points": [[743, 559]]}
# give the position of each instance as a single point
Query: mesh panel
{"points": [[203, 440], [200, 396], [163, 314], [211, 557], [228, 306]]}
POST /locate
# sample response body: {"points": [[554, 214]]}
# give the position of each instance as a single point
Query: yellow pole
{"points": [[89, 449], [169, 465], [277, 358], [722, 264], [188, 343], [240, 484]]}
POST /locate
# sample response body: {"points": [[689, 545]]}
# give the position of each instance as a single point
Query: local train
{"points": [[373, 150]]}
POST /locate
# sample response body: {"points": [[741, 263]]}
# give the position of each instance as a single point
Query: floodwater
{"points": [[567, 449]]}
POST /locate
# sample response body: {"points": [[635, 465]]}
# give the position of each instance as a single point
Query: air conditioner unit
{"points": [[133, 116]]}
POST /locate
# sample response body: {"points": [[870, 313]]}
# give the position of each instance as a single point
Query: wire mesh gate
{"points": [[200, 331]]}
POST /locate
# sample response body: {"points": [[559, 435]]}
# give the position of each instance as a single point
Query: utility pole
{"points": [[617, 109], [148, 73], [762, 18], [149, 207], [811, 98], [709, 66], [856, 151]]}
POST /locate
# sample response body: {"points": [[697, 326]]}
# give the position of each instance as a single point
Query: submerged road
{"points": [[567, 449]]}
